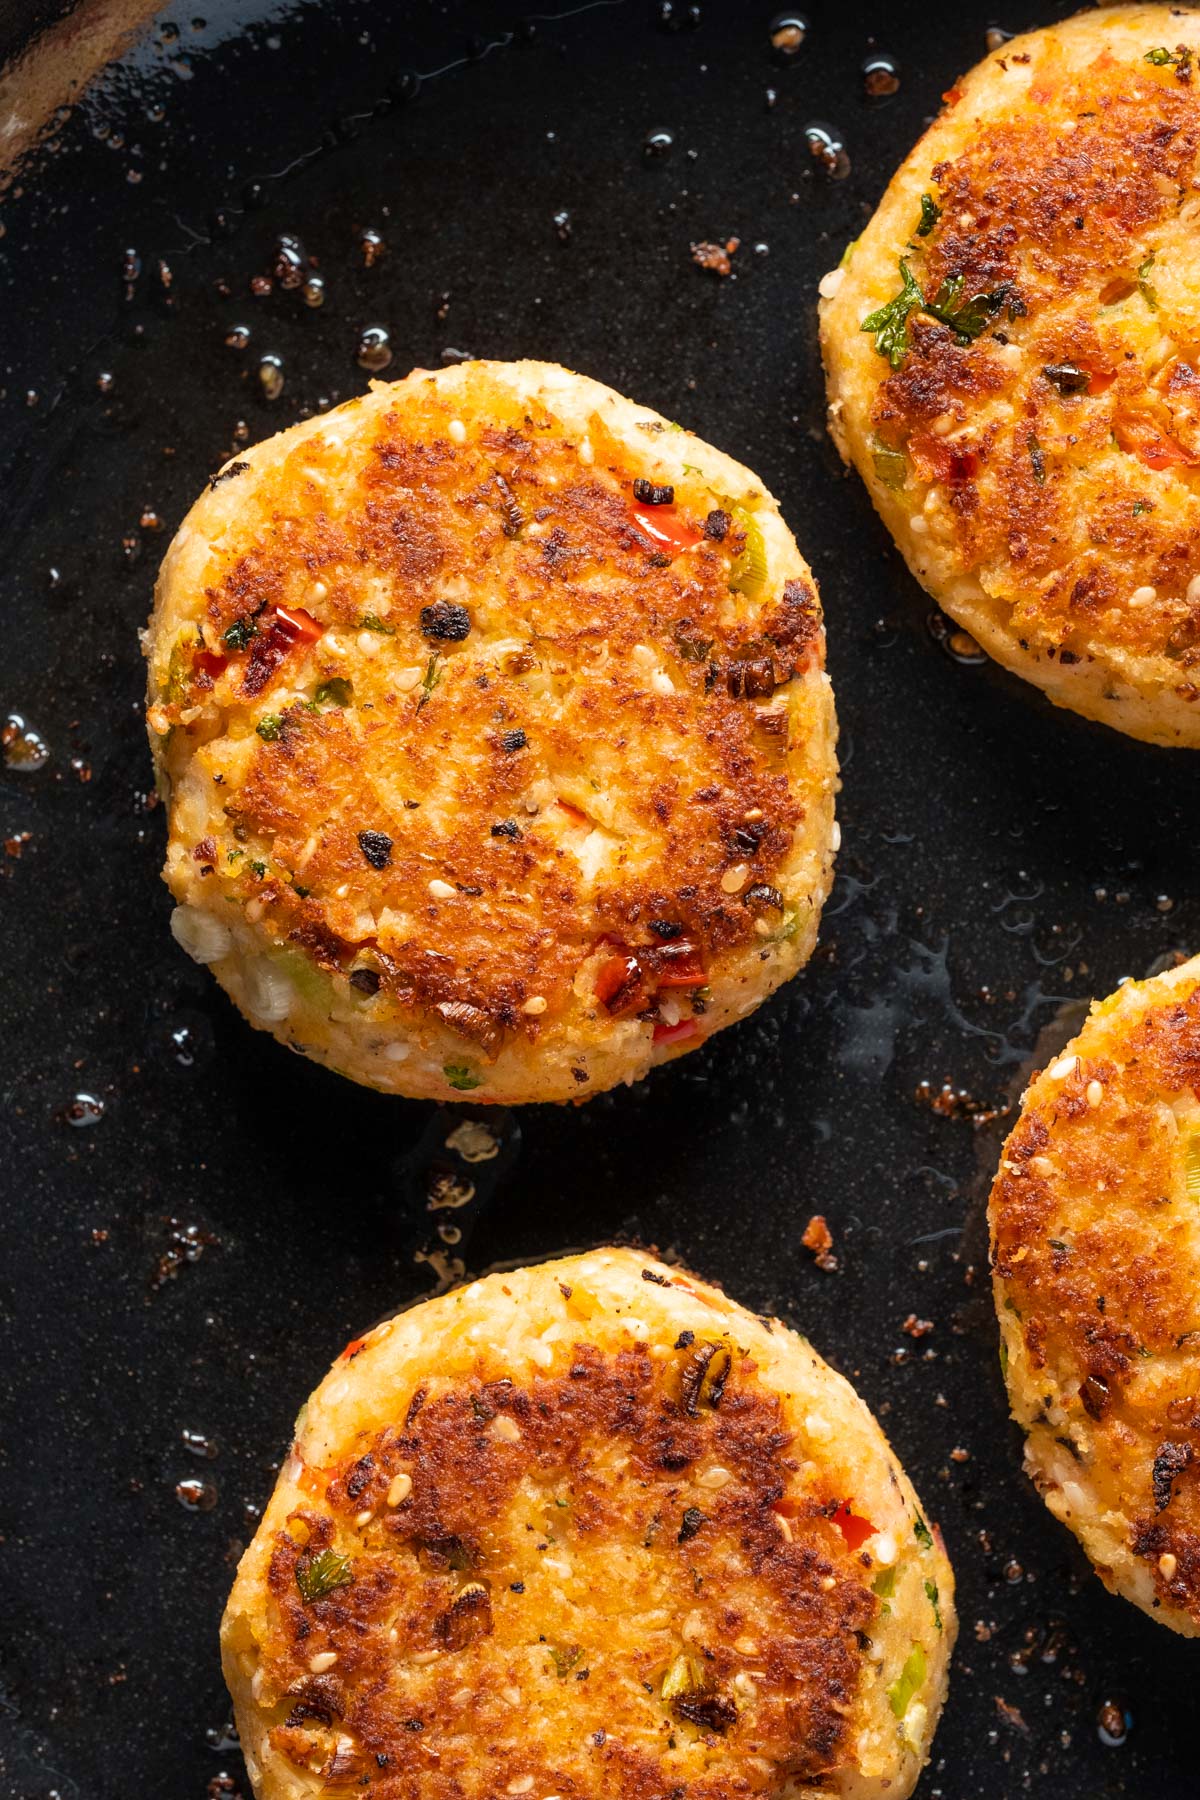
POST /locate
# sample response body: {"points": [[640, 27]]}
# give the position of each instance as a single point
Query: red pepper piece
{"points": [[210, 663], [619, 983], [679, 964], [663, 525], [297, 625], [1143, 439], [854, 1529], [676, 1034]]}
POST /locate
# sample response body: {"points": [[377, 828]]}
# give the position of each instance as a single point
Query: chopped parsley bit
{"points": [[337, 692], [238, 635], [431, 678], [966, 319], [301, 892], [1145, 287], [1140, 507], [232, 855], [889, 323], [461, 1077], [922, 1532], [931, 1594], [847, 253], [884, 1584], [1038, 461], [906, 1684], [564, 1659], [1160, 56], [931, 212], [373, 622], [259, 868], [321, 1576], [269, 727]]}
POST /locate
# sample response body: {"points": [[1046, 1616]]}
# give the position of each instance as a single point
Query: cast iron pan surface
{"points": [[188, 1245]]}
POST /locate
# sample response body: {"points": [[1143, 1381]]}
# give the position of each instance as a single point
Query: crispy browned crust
{"points": [[1095, 1254], [659, 728], [1050, 533], [468, 1522]]}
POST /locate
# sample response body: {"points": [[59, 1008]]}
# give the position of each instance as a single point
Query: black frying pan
{"points": [[190, 1260]]}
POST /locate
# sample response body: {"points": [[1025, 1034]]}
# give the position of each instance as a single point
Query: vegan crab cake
{"points": [[588, 1529], [492, 713], [1095, 1220], [1013, 358]]}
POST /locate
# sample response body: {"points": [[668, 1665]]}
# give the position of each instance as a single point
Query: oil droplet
{"points": [[23, 747], [314, 291], [237, 337], [1013, 1572], [788, 31], [270, 377], [196, 1494], [658, 143], [131, 266], [827, 148], [676, 15], [881, 76], [374, 349], [562, 225], [222, 1737], [83, 1110], [372, 246], [997, 37], [197, 1444], [1113, 1722], [105, 382], [1164, 903], [958, 644], [288, 266]]}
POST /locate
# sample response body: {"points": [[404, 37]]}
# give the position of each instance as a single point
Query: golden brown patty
{"points": [[498, 742], [1013, 357], [588, 1529], [1095, 1219]]}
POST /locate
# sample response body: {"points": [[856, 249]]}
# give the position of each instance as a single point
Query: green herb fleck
{"points": [[847, 253], [337, 692], [1140, 507], [965, 321], [238, 635], [430, 680], [884, 1584], [1146, 287], [269, 727], [922, 1532], [259, 868], [373, 622], [891, 466], [232, 855], [1160, 56], [303, 892], [564, 1659], [931, 212], [931, 1594], [322, 1575], [460, 1076], [910, 1678], [889, 323], [691, 649]]}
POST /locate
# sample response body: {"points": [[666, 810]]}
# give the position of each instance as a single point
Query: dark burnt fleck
{"points": [[762, 894], [228, 474], [365, 981], [715, 1712], [685, 1340], [376, 846], [1094, 1395], [445, 623], [716, 525], [513, 740], [651, 494], [691, 1523], [655, 1277], [666, 929], [1170, 1460], [507, 828]]}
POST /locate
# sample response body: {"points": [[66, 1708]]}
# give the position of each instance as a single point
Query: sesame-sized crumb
{"points": [[959, 1455], [951, 1102], [1011, 1715], [818, 1238], [917, 1328], [716, 256]]}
